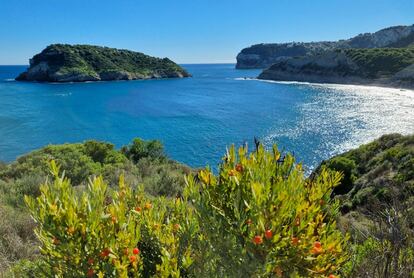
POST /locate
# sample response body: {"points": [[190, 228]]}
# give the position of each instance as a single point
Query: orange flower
{"points": [[317, 248], [232, 173], [176, 227], [138, 209], [91, 272], [268, 234], [295, 241], [91, 261], [148, 206], [105, 253], [258, 240], [132, 259], [55, 241], [331, 276], [239, 168], [249, 221]]}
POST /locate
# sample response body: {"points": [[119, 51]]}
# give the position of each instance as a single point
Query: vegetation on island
{"points": [[64, 62], [102, 212]]}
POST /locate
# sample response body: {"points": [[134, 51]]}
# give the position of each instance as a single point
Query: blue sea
{"points": [[197, 118]]}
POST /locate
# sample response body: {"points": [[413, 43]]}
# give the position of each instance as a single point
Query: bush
{"points": [[388, 249], [348, 168], [258, 216], [262, 217], [111, 233], [141, 149]]}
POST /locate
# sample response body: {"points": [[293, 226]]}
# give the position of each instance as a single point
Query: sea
{"points": [[197, 118]]}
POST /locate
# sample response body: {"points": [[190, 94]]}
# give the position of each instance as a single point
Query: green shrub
{"points": [[258, 216], [348, 168], [262, 217], [141, 149], [100, 231]]}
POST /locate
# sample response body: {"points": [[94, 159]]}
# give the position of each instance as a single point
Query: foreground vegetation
{"points": [[377, 204], [140, 162], [141, 215]]}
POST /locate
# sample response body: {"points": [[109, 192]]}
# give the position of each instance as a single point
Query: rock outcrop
{"points": [[79, 63], [378, 66], [265, 55]]}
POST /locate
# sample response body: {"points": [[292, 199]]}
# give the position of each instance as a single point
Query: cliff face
{"points": [[264, 55], [78, 63], [376, 66]]}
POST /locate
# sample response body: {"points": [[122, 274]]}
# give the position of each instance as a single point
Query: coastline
{"points": [[350, 83]]}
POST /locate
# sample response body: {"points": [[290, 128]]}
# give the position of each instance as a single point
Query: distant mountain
{"points": [[265, 55], [78, 63], [368, 66]]}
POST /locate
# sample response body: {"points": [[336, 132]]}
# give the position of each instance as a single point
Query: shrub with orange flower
{"points": [[269, 193]]}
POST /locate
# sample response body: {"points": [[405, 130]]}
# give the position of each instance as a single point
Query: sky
{"points": [[187, 31]]}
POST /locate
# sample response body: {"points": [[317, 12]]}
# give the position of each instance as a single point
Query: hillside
{"points": [[78, 63], [265, 54], [372, 66], [376, 176]]}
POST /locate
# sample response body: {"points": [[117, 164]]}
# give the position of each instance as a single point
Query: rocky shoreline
{"points": [[357, 67]]}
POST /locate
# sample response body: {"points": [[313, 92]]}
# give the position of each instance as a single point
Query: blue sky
{"points": [[187, 31]]}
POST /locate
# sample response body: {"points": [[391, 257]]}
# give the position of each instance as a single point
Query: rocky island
{"points": [[79, 63], [376, 66], [266, 54]]}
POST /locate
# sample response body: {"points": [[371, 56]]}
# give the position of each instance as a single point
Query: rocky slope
{"points": [[264, 55], [375, 66], [78, 63]]}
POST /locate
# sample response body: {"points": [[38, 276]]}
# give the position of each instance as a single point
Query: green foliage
{"points": [[262, 217], [96, 233], [381, 62], [79, 161], [30, 269], [93, 60], [140, 149], [258, 216], [376, 171], [348, 168]]}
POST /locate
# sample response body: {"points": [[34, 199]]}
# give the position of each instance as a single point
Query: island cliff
{"points": [[377, 66], [266, 54], [79, 63]]}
